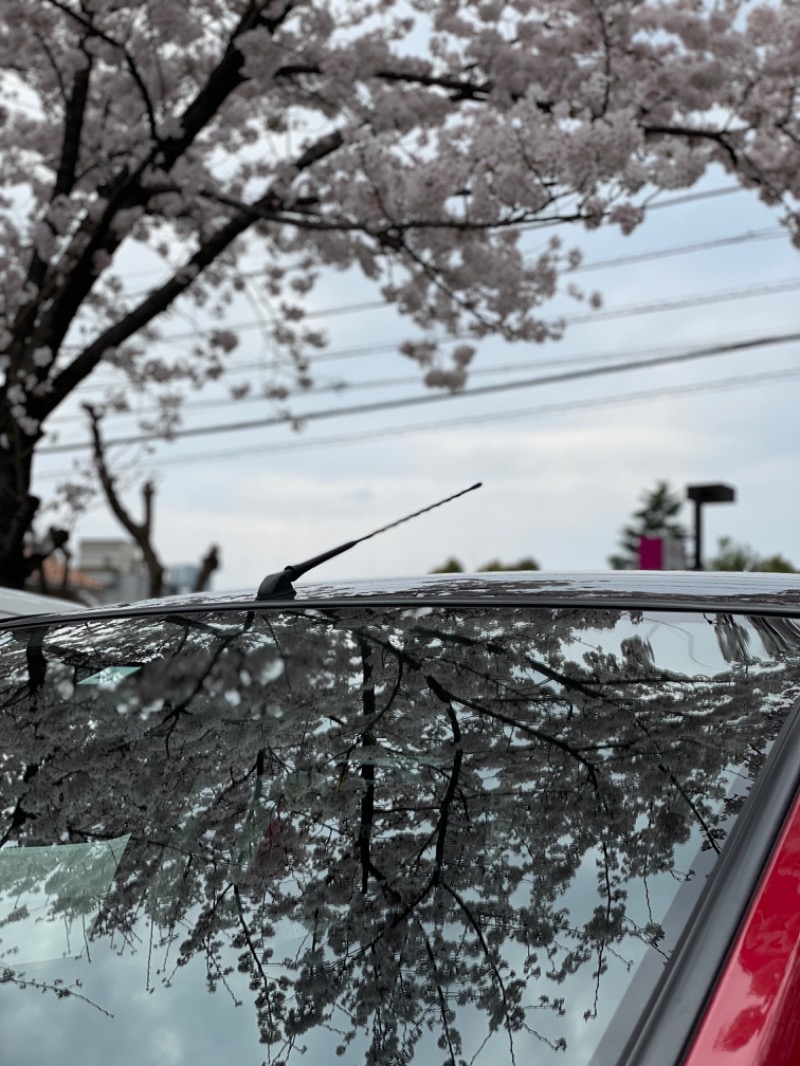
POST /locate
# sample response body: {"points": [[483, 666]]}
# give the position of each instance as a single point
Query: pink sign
{"points": [[651, 553]]}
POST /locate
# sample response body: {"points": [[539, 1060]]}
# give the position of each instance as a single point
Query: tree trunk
{"points": [[17, 505]]}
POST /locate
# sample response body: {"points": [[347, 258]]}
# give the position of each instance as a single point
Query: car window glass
{"points": [[393, 835]]}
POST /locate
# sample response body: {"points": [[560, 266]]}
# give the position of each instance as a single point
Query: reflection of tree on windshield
{"points": [[433, 813]]}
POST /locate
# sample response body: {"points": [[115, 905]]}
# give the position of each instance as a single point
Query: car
{"points": [[18, 601], [501, 818]]}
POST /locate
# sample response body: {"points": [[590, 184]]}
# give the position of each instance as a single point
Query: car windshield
{"points": [[392, 835]]}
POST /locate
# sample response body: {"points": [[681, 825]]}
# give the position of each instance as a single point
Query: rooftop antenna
{"points": [[279, 586]]}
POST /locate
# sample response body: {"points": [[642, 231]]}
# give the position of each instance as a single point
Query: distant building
{"points": [[117, 566], [118, 572], [55, 579], [182, 578]]}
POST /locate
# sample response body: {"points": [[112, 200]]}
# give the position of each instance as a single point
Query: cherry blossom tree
{"points": [[409, 139]]}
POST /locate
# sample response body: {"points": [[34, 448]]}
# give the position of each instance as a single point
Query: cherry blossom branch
{"points": [[223, 80], [448, 697], [601, 943], [75, 110], [447, 802], [719, 137], [124, 190], [571, 683], [299, 215], [367, 766], [160, 299], [129, 324], [476, 928], [74, 115], [51, 59], [15, 977], [88, 24], [443, 1011], [460, 89], [607, 55], [439, 283]]}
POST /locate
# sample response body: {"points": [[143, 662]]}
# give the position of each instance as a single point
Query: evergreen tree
{"points": [[657, 517]]}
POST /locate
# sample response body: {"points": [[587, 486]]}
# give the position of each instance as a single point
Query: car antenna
{"points": [[279, 586]]}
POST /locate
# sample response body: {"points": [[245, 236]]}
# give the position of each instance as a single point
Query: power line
{"points": [[770, 234], [694, 197], [720, 385], [387, 383], [653, 307], [324, 357], [716, 296], [545, 409], [335, 387], [368, 350], [654, 205], [416, 401], [717, 385]]}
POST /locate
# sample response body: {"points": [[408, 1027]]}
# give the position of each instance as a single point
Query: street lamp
{"points": [[701, 494]]}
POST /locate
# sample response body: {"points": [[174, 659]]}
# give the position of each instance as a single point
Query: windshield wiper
{"points": [[279, 586]]}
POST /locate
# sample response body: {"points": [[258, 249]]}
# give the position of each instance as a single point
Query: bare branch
{"points": [[209, 564], [140, 531]]}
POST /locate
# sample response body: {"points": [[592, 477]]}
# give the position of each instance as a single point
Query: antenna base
{"points": [[277, 586]]}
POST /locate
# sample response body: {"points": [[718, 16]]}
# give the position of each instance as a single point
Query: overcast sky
{"points": [[562, 471]]}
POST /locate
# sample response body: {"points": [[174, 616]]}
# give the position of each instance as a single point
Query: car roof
{"points": [[757, 593], [601, 586]]}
